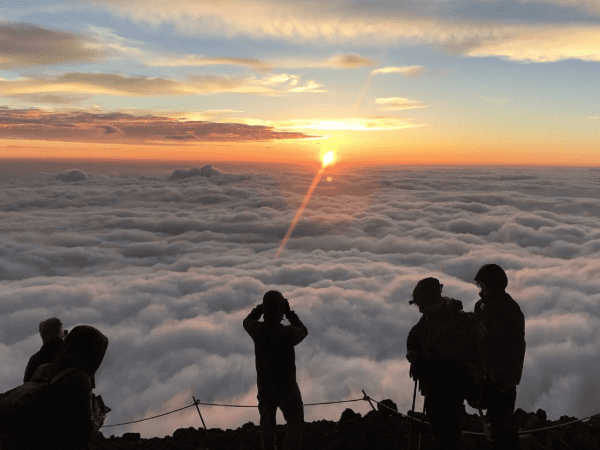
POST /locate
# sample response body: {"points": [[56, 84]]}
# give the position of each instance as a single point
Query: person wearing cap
{"points": [[53, 336], [502, 350], [276, 368], [441, 350]]}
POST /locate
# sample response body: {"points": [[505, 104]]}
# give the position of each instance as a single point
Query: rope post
{"points": [[367, 398], [199, 413]]}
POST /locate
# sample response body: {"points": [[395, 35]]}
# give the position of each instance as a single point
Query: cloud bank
{"points": [[168, 269], [120, 127]]}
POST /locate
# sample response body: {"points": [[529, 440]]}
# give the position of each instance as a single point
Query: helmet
{"points": [[493, 276], [426, 289]]}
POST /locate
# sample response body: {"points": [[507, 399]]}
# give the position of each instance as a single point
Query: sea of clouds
{"points": [[168, 267]]}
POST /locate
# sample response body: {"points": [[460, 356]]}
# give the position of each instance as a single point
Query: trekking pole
{"points": [[412, 414], [487, 428], [423, 416]]}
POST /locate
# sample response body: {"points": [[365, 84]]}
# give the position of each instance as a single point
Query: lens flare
{"points": [[328, 158]]}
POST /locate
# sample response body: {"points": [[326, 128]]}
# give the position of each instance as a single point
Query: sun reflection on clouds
{"points": [[347, 124]]}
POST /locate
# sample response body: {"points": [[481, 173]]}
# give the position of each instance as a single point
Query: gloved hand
{"points": [[286, 307]]}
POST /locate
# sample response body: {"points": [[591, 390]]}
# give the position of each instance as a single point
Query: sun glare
{"points": [[328, 158]]}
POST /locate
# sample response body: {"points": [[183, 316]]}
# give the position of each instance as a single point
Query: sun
{"points": [[328, 158]]}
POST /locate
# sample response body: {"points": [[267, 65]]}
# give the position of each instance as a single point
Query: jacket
{"points": [[503, 345], [442, 340], [274, 344], [70, 421], [44, 356]]}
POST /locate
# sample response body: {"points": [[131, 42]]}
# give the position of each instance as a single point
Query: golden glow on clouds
{"points": [[399, 103], [349, 124], [340, 61], [126, 86], [407, 71], [544, 44]]}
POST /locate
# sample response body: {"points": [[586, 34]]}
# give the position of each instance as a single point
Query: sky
{"points": [[167, 263], [420, 82]]}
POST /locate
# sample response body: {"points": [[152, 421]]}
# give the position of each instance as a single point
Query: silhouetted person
{"points": [[442, 352], [52, 333], [64, 418], [503, 352], [276, 368]]}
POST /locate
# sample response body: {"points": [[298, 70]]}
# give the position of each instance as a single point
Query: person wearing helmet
{"points": [[441, 350], [276, 368], [502, 350]]}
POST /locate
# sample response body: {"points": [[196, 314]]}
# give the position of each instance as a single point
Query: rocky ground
{"points": [[376, 430]]}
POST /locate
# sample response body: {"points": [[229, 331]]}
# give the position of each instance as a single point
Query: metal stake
{"points": [[199, 413]]}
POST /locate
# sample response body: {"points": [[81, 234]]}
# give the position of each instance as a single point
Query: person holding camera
{"points": [[274, 345]]}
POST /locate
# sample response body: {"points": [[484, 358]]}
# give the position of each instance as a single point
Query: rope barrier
{"points": [[559, 425], [148, 418], [366, 397], [198, 402]]}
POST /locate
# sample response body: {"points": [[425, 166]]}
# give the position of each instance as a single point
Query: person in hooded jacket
{"points": [[67, 421], [276, 368], [503, 352], [52, 334], [442, 350]]}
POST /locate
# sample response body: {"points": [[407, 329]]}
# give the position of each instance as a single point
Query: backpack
{"points": [[23, 403]]}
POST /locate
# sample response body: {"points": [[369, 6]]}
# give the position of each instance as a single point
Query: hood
{"points": [[84, 348]]}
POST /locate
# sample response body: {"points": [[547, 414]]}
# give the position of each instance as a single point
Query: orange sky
{"points": [[308, 152]]}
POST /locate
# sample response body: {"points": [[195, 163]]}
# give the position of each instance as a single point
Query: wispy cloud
{"points": [[407, 71], [540, 44], [24, 45], [338, 124], [198, 60], [340, 61], [399, 103], [89, 84], [380, 25]]}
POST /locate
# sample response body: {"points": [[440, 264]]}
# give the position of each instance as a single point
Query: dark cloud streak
{"points": [[23, 45], [89, 127]]}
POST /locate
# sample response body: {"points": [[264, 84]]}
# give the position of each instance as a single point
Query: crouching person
{"points": [[276, 368], [71, 418], [441, 351], [59, 411]]}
